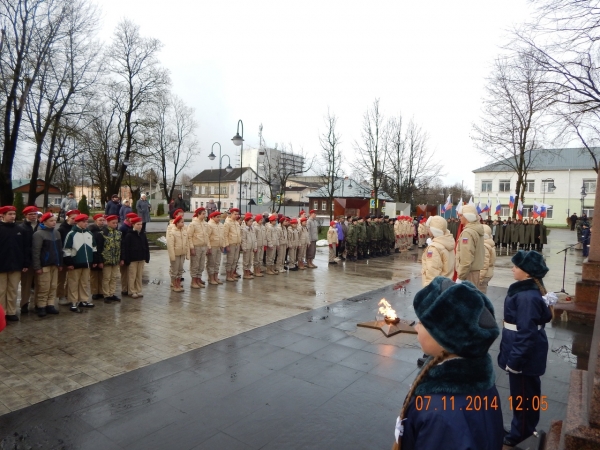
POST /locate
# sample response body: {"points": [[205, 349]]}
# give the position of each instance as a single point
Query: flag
{"points": [[543, 209], [520, 210], [536, 210], [488, 206], [448, 205], [498, 206], [459, 206], [471, 202], [511, 201], [478, 207]]}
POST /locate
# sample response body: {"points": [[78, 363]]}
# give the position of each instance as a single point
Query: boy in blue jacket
{"points": [[524, 345], [453, 403], [80, 255]]}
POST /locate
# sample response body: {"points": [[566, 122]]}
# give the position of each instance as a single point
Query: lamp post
{"points": [[547, 187], [583, 195], [228, 169], [239, 141]]}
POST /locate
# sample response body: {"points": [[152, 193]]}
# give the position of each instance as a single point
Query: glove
{"points": [[458, 281], [330, 245], [428, 241]]}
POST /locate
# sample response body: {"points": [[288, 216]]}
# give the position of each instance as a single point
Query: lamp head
{"points": [[211, 156], [228, 169], [237, 139]]}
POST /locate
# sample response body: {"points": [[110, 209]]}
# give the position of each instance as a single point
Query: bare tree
{"points": [[136, 81], [513, 119], [411, 165], [371, 151], [173, 142], [30, 29], [330, 159]]}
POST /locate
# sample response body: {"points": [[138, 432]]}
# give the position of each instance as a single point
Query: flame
{"points": [[386, 309]]}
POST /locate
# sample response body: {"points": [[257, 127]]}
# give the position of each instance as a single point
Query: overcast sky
{"points": [[283, 64]]}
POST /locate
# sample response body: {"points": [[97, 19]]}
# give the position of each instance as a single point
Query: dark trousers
{"points": [[522, 389], [144, 227]]}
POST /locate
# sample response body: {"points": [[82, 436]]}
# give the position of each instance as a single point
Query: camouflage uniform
{"points": [[363, 242], [352, 241]]}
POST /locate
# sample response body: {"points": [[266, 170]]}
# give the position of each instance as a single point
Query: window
{"points": [[203, 190], [196, 207], [530, 186], [486, 186], [506, 212], [224, 190], [590, 186], [212, 189], [527, 212], [504, 186], [315, 205], [324, 205], [549, 212], [589, 212], [57, 200], [231, 205], [196, 189], [201, 205]]}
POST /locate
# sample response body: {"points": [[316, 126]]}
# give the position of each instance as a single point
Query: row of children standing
{"points": [[69, 263], [279, 242]]}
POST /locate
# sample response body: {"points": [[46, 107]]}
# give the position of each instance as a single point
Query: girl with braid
{"points": [[453, 403], [524, 346]]}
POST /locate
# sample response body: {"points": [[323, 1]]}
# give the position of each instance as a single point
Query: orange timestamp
{"points": [[479, 403]]}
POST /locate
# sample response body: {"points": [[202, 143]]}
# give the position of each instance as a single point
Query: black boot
{"points": [[41, 312], [50, 309]]}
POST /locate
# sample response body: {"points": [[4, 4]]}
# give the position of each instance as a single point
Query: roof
{"points": [[348, 189], [212, 175], [296, 188], [550, 159], [22, 182]]}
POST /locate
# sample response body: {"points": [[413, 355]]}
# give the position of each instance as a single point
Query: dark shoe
{"points": [[74, 308], [12, 318], [108, 299], [41, 312], [86, 305], [25, 308], [115, 298], [293, 269], [95, 296], [124, 293], [508, 442], [51, 309], [332, 262]]}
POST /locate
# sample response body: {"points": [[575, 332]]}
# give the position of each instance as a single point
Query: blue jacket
{"points": [[526, 349], [456, 406], [16, 251], [112, 208]]}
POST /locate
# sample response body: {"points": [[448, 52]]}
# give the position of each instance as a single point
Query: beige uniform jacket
{"points": [[282, 235], [248, 239], [332, 236], [422, 230], [470, 251], [215, 235], [397, 228], [177, 243], [272, 235], [490, 259], [293, 237], [232, 233], [438, 259], [304, 237], [260, 233], [198, 233]]}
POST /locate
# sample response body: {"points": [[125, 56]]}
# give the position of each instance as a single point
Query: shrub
{"points": [[82, 206], [160, 210]]}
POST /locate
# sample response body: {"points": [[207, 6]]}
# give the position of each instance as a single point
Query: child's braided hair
{"points": [[544, 292]]}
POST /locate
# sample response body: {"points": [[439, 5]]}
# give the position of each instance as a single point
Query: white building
{"points": [[206, 186], [568, 170]]}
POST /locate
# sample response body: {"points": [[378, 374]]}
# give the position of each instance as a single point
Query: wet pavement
{"points": [[264, 363], [314, 380]]}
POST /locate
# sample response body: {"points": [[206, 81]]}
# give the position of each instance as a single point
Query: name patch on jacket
{"points": [[430, 253], [465, 240]]}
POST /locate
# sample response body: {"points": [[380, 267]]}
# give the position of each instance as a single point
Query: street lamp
{"points": [[239, 141], [228, 169], [583, 195], [548, 185]]}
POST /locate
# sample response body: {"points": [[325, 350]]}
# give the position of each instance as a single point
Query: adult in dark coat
{"points": [[573, 220], [27, 278], [586, 236], [113, 208], [527, 235], [180, 203], [543, 236], [143, 208], [508, 233]]}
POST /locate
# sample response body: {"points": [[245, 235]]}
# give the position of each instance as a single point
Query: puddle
{"points": [[317, 318], [566, 352]]}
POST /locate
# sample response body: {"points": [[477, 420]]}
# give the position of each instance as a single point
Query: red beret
{"points": [[135, 220], [304, 219], [332, 223], [6, 209], [73, 212], [248, 216], [272, 217], [111, 218], [214, 214], [46, 217], [258, 218], [293, 222], [198, 211], [312, 211], [176, 220], [281, 219], [30, 209], [131, 215], [177, 211], [232, 210], [302, 212], [97, 216], [81, 218]]}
